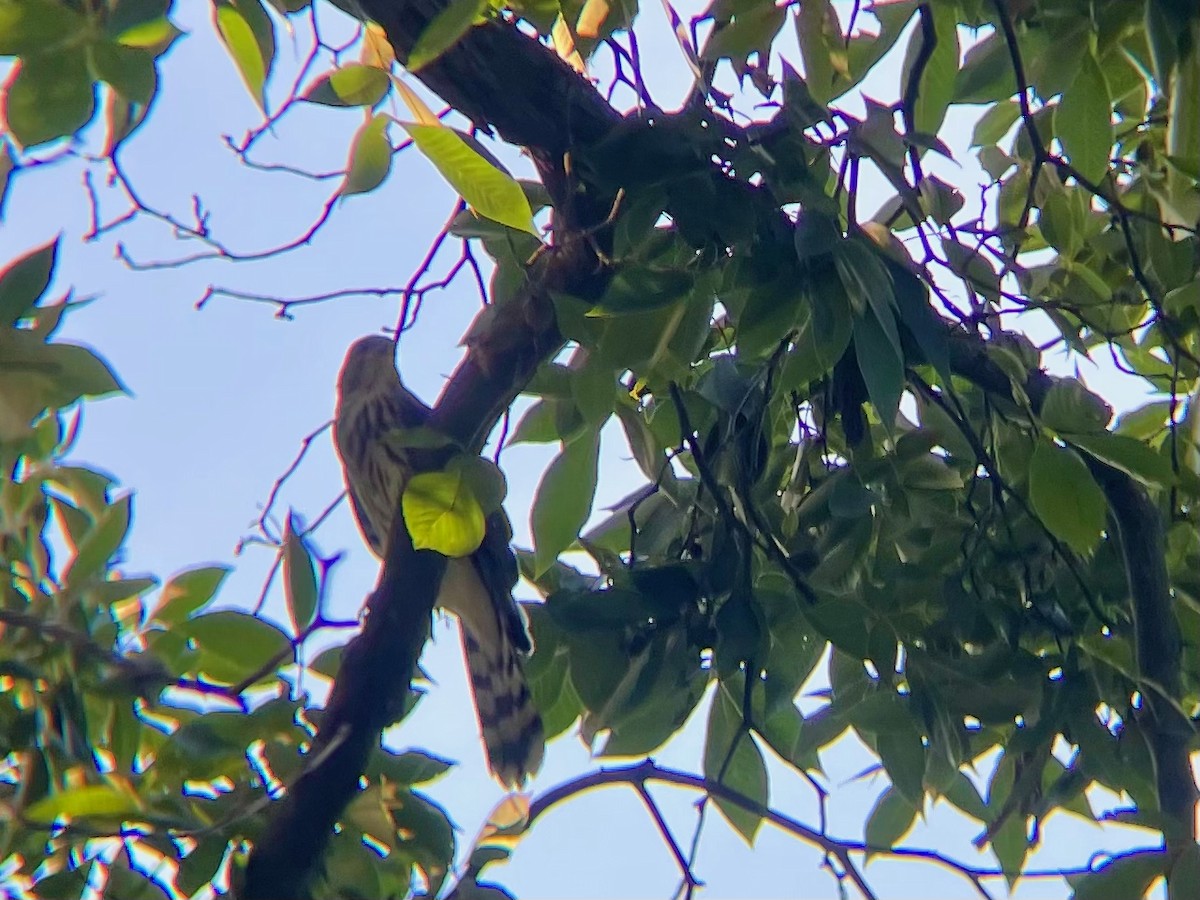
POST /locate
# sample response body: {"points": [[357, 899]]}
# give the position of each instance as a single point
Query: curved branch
{"points": [[638, 774]]}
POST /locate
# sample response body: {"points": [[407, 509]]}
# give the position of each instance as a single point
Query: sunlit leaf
{"points": [[442, 513], [351, 85], [485, 188], [89, 801], [242, 43]]}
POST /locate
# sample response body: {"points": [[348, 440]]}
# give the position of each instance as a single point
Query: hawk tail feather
{"points": [[510, 724]]}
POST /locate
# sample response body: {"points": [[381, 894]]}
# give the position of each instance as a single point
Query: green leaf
{"points": [[442, 513], [351, 85], [1070, 407], [1011, 847], [242, 43], [444, 31], [87, 801], [890, 820], [427, 836], [881, 365], [1146, 421], [130, 70], [548, 420], [936, 89], [986, 75], [299, 578], [903, 756], [187, 591], [30, 27], [1131, 456], [232, 645], [1127, 876], [370, 157], [1083, 120], [821, 48], [24, 280], [101, 544], [1066, 497], [50, 97], [489, 191], [563, 500], [963, 794], [738, 766], [407, 767], [484, 479], [995, 123], [752, 27], [826, 328]]}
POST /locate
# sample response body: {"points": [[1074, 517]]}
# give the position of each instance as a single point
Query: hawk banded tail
{"points": [[371, 403]]}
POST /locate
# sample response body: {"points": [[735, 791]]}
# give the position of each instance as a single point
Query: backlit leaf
{"points": [[351, 85], [243, 47], [486, 189], [299, 578], [442, 513], [370, 157]]}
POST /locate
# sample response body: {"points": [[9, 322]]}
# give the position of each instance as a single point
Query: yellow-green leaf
{"points": [[492, 193], [244, 50], [352, 85], [370, 157], [444, 31], [442, 513], [89, 801]]}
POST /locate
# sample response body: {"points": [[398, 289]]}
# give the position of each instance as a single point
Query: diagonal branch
{"points": [[504, 80]]}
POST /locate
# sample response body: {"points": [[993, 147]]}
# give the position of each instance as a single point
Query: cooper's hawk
{"points": [[371, 403]]}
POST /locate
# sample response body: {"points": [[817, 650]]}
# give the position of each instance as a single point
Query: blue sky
{"points": [[221, 398]]}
